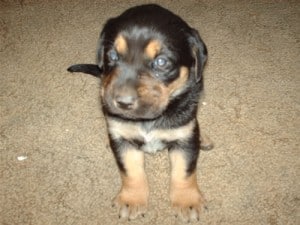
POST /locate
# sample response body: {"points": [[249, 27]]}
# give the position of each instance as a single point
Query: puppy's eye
{"points": [[160, 62], [113, 55]]}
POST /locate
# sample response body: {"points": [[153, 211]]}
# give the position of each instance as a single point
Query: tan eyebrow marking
{"points": [[153, 48], [121, 44]]}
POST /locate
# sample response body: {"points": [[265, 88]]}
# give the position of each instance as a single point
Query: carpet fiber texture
{"points": [[56, 165]]}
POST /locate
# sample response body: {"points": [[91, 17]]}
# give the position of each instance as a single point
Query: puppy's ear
{"points": [[92, 69], [100, 51], [199, 51]]}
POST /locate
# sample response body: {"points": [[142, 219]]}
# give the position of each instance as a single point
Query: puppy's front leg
{"points": [[132, 198], [186, 198]]}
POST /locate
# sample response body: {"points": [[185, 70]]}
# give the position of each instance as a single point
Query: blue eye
{"points": [[160, 62], [113, 55]]}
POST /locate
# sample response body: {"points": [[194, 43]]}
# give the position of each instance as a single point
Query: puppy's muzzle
{"points": [[125, 95], [134, 94], [126, 99]]}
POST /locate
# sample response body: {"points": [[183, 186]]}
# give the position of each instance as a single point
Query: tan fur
{"points": [[134, 191], [152, 92], [157, 94], [135, 131], [178, 85], [184, 192], [152, 49], [121, 44], [106, 86]]}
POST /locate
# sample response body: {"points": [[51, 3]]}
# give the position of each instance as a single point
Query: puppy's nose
{"points": [[125, 102]]}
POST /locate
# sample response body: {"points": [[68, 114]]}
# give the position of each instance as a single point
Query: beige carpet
{"points": [[56, 167]]}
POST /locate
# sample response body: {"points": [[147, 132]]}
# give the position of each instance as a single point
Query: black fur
{"points": [[91, 69], [182, 46], [186, 48]]}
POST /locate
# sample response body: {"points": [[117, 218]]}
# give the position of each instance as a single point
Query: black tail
{"points": [[92, 69]]}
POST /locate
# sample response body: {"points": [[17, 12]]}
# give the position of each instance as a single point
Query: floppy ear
{"points": [[100, 51], [199, 51], [92, 69]]}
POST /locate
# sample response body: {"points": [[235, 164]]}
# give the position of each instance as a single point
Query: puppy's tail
{"points": [[91, 69]]}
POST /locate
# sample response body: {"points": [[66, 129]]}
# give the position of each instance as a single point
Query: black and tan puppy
{"points": [[150, 63]]}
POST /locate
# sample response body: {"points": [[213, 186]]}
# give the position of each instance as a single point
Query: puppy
{"points": [[150, 63]]}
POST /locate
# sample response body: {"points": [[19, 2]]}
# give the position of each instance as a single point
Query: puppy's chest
{"points": [[149, 142], [146, 137], [143, 137]]}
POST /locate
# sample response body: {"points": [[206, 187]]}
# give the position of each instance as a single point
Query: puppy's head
{"points": [[149, 56]]}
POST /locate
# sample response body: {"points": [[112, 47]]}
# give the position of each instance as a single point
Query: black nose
{"points": [[125, 102]]}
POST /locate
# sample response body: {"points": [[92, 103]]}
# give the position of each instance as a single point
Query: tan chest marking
{"points": [[154, 139]]}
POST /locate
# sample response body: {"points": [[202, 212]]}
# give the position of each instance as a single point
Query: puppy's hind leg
{"points": [[206, 143]]}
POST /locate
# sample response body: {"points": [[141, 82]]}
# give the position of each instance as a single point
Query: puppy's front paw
{"points": [[187, 203], [131, 203]]}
